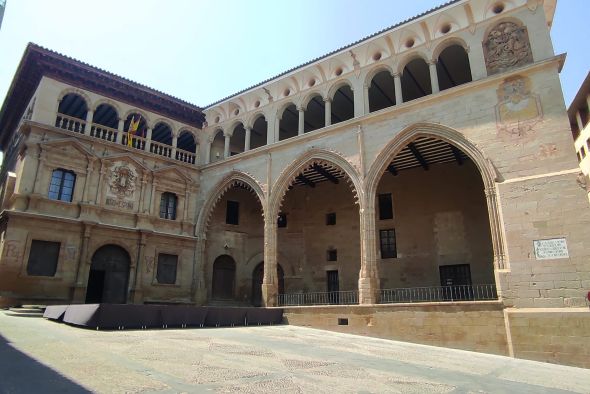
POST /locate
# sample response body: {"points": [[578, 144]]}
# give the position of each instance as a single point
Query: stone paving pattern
{"points": [[39, 355]]}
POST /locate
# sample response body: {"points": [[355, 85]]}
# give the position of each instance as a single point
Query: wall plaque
{"points": [[546, 249]]}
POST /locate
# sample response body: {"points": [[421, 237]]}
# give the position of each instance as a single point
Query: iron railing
{"points": [[439, 294], [320, 298]]}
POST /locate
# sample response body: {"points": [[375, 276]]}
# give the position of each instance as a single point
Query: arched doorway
{"points": [[224, 278], [257, 279], [109, 275]]}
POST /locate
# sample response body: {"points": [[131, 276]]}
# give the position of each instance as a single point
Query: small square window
{"points": [[282, 220], [232, 214], [332, 255], [167, 264], [43, 258], [330, 219]]}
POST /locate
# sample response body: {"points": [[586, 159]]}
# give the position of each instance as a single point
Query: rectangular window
{"points": [[330, 219], [332, 255], [62, 185], [282, 220], [232, 214], [388, 247], [43, 258], [168, 206], [385, 207], [167, 264]]}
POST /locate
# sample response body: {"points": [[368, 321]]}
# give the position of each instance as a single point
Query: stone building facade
{"points": [[420, 184]]}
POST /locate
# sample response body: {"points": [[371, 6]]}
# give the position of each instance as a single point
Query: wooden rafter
{"points": [[418, 156], [322, 171]]}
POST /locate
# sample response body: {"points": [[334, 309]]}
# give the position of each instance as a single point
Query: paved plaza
{"points": [[37, 355]]}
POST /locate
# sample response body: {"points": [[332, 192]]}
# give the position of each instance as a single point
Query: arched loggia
{"points": [[453, 68], [313, 213], [434, 206], [415, 80], [71, 113]]}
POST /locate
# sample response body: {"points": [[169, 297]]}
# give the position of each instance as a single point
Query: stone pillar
{"points": [[207, 158], [397, 81], [301, 127], [270, 286], [248, 137], [136, 295], [366, 98], [120, 131], [276, 131], [226, 147], [477, 63], [88, 124], [79, 290], [433, 77], [198, 287], [359, 97], [154, 202], [103, 172], [369, 273], [89, 170], [328, 113], [174, 145]]}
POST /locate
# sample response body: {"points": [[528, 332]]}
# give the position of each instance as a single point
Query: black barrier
{"points": [[128, 316]]}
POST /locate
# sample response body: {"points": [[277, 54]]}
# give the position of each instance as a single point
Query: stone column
{"points": [[248, 137], [103, 172], [120, 127], [301, 125], [198, 287], [366, 98], [270, 286], [89, 170], [226, 147], [397, 81], [276, 131], [477, 62], [207, 158], [88, 124], [79, 290], [174, 145], [328, 113], [433, 77], [142, 191], [136, 295], [153, 208], [369, 273]]}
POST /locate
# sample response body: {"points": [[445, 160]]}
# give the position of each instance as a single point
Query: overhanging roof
{"points": [[38, 62]]}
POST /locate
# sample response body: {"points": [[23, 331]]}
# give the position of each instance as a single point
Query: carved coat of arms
{"points": [[506, 46], [122, 180]]}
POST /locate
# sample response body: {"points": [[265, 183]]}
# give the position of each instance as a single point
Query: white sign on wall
{"points": [[546, 249]]}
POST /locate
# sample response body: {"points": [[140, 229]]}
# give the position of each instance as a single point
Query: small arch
{"points": [[73, 105], [107, 101], [106, 115], [217, 146], [259, 132], [381, 89], [452, 66], [237, 141], [162, 132], [415, 79], [187, 141], [315, 113], [342, 97], [288, 122]]}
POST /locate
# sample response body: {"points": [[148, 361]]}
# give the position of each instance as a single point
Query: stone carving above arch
{"points": [[506, 46]]}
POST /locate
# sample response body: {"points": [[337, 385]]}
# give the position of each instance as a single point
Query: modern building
{"points": [[418, 184]]}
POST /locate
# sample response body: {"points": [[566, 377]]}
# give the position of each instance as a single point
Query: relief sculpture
{"points": [[122, 184], [507, 46]]}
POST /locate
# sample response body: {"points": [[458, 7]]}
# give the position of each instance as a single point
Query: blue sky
{"points": [[202, 51]]}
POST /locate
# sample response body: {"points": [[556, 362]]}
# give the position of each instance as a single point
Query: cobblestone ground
{"points": [[37, 355]]}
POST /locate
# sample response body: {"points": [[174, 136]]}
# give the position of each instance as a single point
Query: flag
{"points": [[133, 126]]}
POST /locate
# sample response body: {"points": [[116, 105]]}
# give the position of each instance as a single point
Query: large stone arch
{"points": [[488, 173], [230, 180], [314, 155]]}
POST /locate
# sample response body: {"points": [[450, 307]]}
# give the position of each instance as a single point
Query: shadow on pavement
{"points": [[20, 373]]}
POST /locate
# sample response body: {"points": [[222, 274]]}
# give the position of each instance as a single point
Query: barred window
{"points": [[62, 185], [167, 264], [388, 247], [168, 206]]}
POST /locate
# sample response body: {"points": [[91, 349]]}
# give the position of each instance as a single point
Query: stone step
{"points": [[23, 314], [26, 310]]}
